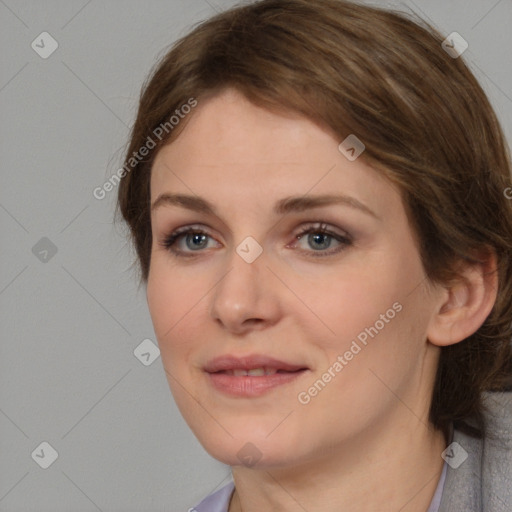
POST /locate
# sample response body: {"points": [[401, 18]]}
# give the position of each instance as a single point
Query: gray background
{"points": [[70, 321]]}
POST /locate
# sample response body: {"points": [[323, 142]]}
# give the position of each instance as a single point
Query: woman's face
{"points": [[343, 315]]}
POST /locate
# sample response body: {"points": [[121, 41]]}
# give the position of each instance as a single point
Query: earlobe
{"points": [[464, 306]]}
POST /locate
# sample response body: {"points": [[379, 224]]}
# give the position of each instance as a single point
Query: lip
{"points": [[230, 362], [251, 386]]}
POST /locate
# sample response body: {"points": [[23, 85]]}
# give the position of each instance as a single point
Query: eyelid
{"points": [[345, 240], [175, 234], [319, 226]]}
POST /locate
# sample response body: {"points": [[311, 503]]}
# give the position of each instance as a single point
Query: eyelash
{"points": [[169, 241]]}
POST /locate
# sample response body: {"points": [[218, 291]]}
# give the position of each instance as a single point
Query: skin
{"points": [[364, 442]]}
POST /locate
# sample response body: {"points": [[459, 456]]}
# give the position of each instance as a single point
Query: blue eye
{"points": [[319, 238], [322, 238], [196, 238]]}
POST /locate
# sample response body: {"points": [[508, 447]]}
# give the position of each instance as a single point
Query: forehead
{"points": [[231, 149]]}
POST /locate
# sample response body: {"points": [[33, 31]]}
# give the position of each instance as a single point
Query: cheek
{"points": [[380, 354], [161, 302], [341, 307], [168, 302], [177, 304], [375, 321], [170, 295]]}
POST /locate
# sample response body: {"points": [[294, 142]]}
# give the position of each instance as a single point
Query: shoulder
{"points": [[497, 453], [217, 501], [499, 417], [479, 475]]}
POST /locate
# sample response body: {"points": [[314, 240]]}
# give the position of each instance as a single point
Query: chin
{"points": [[250, 449]]}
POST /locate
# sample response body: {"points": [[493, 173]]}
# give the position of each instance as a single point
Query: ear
{"points": [[464, 305]]}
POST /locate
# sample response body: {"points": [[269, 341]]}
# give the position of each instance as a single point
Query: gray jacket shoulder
{"points": [[479, 474]]}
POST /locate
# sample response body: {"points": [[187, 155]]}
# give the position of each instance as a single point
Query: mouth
{"points": [[251, 376], [255, 372]]}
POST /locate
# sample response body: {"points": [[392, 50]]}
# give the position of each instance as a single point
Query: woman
{"points": [[317, 195]]}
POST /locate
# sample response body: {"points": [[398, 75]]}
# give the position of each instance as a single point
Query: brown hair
{"points": [[425, 121]]}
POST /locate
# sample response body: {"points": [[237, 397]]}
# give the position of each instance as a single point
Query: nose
{"points": [[246, 296]]}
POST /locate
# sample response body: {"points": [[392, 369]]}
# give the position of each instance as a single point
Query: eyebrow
{"points": [[282, 207]]}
